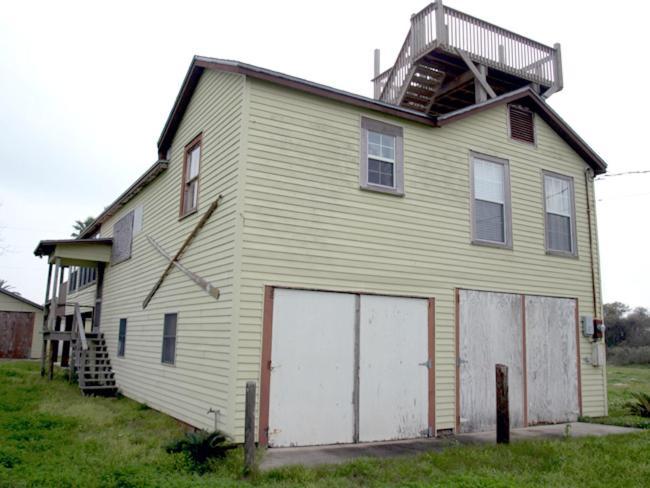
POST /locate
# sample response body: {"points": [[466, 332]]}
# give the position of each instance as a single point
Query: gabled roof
{"points": [[524, 96], [20, 299], [527, 96]]}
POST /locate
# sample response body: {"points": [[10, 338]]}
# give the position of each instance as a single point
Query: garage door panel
{"points": [[312, 368], [491, 332], [552, 367], [393, 377]]}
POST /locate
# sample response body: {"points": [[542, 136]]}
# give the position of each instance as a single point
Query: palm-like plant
{"points": [[80, 225], [641, 404]]}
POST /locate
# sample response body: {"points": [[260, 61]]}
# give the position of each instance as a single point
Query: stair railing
{"points": [[78, 357]]}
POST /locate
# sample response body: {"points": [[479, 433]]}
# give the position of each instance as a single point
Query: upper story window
{"points": [[81, 277], [191, 167], [521, 122], [559, 206], [490, 189], [382, 157]]}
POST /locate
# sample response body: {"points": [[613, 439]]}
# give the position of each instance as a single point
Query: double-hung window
{"points": [[169, 338], [121, 338], [382, 157], [490, 188], [191, 166], [559, 212]]}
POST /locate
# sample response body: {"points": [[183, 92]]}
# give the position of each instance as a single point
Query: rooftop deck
{"points": [[443, 52]]}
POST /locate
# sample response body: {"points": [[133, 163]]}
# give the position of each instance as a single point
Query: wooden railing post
{"points": [[441, 29], [45, 319], [249, 428], [503, 412]]}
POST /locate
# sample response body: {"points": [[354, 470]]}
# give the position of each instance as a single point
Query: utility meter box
{"points": [[587, 325]]}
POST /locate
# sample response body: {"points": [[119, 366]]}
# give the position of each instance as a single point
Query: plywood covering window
{"points": [[521, 121], [121, 338], [382, 157], [122, 239], [169, 338], [191, 168], [559, 210], [490, 191]]}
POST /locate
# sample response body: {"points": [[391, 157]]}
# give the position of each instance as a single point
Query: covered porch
{"points": [[76, 333]]}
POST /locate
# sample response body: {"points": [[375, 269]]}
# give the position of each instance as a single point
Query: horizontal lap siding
{"points": [[307, 223], [200, 378]]}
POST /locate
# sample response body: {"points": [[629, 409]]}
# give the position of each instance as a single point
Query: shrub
{"points": [[202, 445], [641, 404], [623, 355]]}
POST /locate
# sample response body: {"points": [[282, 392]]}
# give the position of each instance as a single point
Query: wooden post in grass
{"points": [[249, 428], [503, 412]]}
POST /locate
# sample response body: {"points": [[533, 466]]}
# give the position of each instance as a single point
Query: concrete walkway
{"points": [[318, 455]]}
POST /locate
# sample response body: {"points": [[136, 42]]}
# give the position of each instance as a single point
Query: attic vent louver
{"points": [[522, 126]]}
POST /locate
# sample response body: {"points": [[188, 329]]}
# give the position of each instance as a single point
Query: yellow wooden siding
{"points": [[83, 296], [307, 223], [200, 378]]}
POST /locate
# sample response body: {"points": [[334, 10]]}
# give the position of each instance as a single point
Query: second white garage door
{"points": [[347, 367]]}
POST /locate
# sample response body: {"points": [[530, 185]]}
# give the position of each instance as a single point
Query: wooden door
{"points": [[16, 330], [393, 368], [490, 332]]}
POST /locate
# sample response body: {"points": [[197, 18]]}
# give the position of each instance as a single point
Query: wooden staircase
{"points": [[90, 363], [421, 87], [93, 370]]}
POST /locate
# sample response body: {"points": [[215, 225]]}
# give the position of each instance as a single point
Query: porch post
{"points": [[99, 290], [45, 319], [53, 311]]}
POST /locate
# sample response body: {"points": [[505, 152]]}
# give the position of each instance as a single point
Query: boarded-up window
{"points": [[169, 338], [560, 214], [490, 200], [522, 124], [122, 239], [121, 338]]}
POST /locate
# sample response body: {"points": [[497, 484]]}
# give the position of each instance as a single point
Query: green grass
{"points": [[52, 436], [622, 381]]}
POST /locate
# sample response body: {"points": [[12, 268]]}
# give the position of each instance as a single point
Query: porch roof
{"points": [[76, 252]]}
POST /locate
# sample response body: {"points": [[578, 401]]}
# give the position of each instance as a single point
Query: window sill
{"points": [[188, 214], [168, 365], [562, 254], [497, 245], [382, 189]]}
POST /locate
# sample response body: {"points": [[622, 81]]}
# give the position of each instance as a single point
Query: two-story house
{"points": [[368, 262]]}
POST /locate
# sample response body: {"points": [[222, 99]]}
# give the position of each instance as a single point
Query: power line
{"points": [[624, 173]]}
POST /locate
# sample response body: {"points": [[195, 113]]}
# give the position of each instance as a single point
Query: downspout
{"points": [[588, 179]]}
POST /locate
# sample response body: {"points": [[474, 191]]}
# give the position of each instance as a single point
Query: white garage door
{"points": [[393, 374], [552, 360], [312, 362], [491, 332], [347, 367]]}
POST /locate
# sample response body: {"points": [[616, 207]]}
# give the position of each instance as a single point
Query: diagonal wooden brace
{"points": [[205, 286], [477, 74], [182, 249]]}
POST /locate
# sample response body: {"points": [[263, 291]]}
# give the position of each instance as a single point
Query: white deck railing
{"points": [[449, 30]]}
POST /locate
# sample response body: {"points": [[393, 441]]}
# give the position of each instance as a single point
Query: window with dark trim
{"points": [[559, 214], [490, 193], [382, 157], [191, 169], [169, 338], [521, 121], [121, 338]]}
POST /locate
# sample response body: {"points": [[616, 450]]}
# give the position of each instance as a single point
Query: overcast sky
{"points": [[85, 88]]}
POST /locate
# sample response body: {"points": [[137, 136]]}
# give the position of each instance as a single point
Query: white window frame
{"points": [[572, 201], [507, 218], [371, 125]]}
